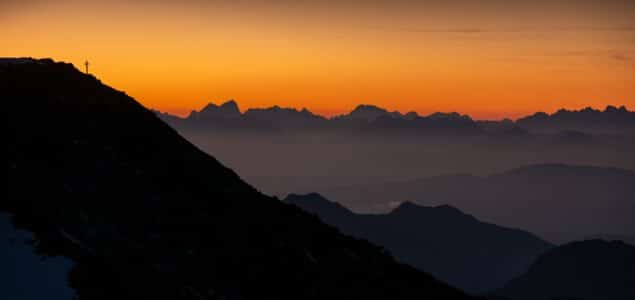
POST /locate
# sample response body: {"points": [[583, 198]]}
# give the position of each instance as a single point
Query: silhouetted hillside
{"points": [[145, 215], [558, 202], [589, 270], [448, 243]]}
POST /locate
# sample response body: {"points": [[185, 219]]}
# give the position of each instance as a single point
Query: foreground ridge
{"points": [[146, 215]]}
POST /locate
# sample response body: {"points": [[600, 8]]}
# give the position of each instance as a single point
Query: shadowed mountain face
{"points": [[453, 246], [558, 202], [589, 270], [144, 214]]}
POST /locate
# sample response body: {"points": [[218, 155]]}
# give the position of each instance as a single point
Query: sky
{"points": [[490, 59]]}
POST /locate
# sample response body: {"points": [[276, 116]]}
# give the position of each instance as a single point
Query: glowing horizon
{"points": [[339, 113], [490, 60]]}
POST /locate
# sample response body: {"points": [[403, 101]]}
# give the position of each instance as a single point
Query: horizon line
{"points": [[186, 112]]}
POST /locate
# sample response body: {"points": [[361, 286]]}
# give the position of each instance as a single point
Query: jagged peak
{"points": [[588, 109], [227, 109], [368, 108], [611, 108], [282, 114], [208, 107], [231, 104], [369, 112]]}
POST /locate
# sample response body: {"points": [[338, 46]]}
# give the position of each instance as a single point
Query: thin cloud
{"points": [[451, 30], [614, 54], [626, 28], [620, 57]]}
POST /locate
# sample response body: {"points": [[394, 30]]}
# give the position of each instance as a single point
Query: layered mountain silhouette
{"points": [[362, 119], [453, 246], [301, 152], [369, 113], [227, 116], [144, 214], [374, 119], [589, 270], [556, 201], [612, 120]]}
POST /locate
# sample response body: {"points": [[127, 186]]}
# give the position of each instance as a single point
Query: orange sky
{"points": [[493, 59]]}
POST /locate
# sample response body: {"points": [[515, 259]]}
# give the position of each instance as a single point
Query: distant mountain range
{"points": [[370, 118], [589, 270], [453, 246], [143, 214], [611, 120], [556, 201], [364, 118]]}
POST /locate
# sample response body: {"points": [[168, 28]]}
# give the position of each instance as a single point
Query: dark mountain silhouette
{"points": [[284, 118], [505, 127], [368, 113], [370, 118], [310, 160], [227, 116], [612, 120], [228, 110], [589, 270], [362, 119], [450, 244], [303, 152], [145, 215], [433, 125], [558, 202]]}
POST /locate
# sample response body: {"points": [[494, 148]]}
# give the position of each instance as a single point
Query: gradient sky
{"points": [[490, 59]]}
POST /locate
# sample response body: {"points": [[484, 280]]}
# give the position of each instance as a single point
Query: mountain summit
{"points": [[368, 113], [228, 110], [144, 214]]}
